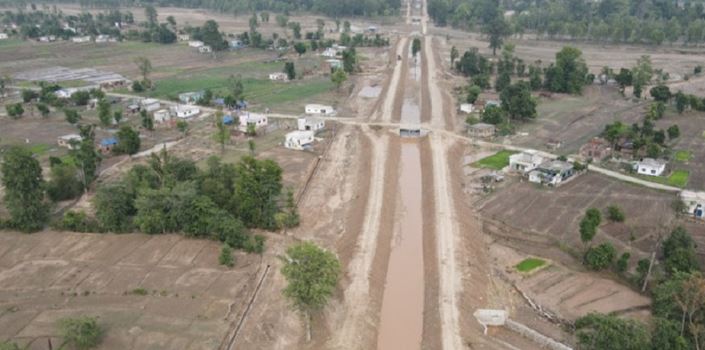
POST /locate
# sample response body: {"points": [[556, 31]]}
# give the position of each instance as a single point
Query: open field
{"points": [[689, 145]]}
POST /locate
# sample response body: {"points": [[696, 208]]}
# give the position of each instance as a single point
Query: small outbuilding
{"points": [[596, 149], [650, 166], [150, 104], [246, 119], [195, 43], [310, 124], [185, 111], [205, 49], [552, 173], [191, 97], [467, 108], [481, 130], [162, 116], [694, 203], [298, 140], [279, 76], [107, 144], [319, 109]]}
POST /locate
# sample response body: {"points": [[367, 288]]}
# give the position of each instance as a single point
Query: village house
{"points": [[310, 124], [3, 36], [236, 44], [319, 109], [596, 149], [525, 161], [162, 116], [107, 144], [150, 104], [184, 37], [333, 64], [552, 173], [190, 97], [467, 108], [247, 118], [81, 39], [279, 76], [330, 53], [195, 43], [481, 130], [185, 111], [47, 38], [69, 140], [205, 49], [650, 166], [298, 140], [104, 38], [694, 203]]}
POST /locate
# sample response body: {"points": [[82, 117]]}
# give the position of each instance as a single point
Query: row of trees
{"points": [[620, 21]]}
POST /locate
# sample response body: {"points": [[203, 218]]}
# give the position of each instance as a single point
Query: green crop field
{"points": [[529, 264], [497, 161], [678, 178], [683, 156]]}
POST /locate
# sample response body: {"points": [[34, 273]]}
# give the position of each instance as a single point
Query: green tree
{"points": [[114, 207], [211, 36], [642, 74], [290, 70], [338, 78], [415, 46], [81, 98], [667, 336], [117, 116], [15, 110], [145, 67], [349, 60], [24, 190], [535, 77], [570, 71], [623, 262], [518, 102], [128, 141], [236, 87], [257, 190], [660, 93], [496, 29], [679, 252], [28, 95], [226, 256], [673, 132], [454, 54], [80, 333], [493, 115], [151, 14], [147, 120], [104, 114], [600, 257], [588, 225], [615, 213], [43, 109], [474, 92], [182, 126], [682, 101], [222, 132], [295, 29], [599, 332], [64, 183], [312, 274], [300, 48], [86, 156]]}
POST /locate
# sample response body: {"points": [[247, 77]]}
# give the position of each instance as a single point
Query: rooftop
{"points": [[652, 163]]}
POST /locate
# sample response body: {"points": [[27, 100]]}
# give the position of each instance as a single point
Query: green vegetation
{"points": [[24, 190], [80, 333], [497, 161], [226, 256], [600, 257], [530, 264], [600, 332], [139, 291], [683, 156], [678, 178], [615, 213], [588, 225]]}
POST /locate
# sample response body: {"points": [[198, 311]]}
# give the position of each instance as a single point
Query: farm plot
{"points": [[690, 151], [161, 291], [555, 213]]}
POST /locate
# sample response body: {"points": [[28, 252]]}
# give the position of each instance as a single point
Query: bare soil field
{"points": [[189, 299], [692, 139]]}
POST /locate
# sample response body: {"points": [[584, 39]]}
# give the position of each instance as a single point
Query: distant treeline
{"points": [[333, 8], [623, 21]]}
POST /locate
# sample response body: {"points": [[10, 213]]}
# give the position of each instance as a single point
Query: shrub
{"points": [[226, 256], [615, 213], [600, 257], [623, 262], [77, 221], [254, 244], [81, 333]]}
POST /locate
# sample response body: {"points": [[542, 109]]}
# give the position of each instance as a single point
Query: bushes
{"points": [[81, 333], [64, 183], [615, 213], [226, 256], [77, 221], [600, 257]]}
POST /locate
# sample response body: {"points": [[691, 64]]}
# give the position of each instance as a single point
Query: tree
{"points": [[615, 213], [171, 20], [257, 190], [86, 156], [660, 93], [182, 126], [493, 115], [72, 116], [642, 74], [80, 333], [497, 29], [338, 78], [415, 46], [64, 183], [300, 48], [211, 36], [43, 109], [282, 20], [473, 93], [29, 95], [667, 336], [236, 88], [226, 256], [117, 116], [535, 77], [599, 332], [600, 257], [682, 101], [114, 207], [569, 71], [290, 70], [151, 14], [454, 54], [503, 80], [24, 190], [128, 141], [312, 274], [81, 98], [673, 132], [104, 114], [145, 67], [679, 252], [589, 224], [147, 120], [349, 60], [623, 262], [624, 78], [296, 29], [222, 133], [15, 111], [518, 102]]}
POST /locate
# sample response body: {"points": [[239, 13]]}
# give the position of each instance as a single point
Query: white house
{"points": [[330, 52], [694, 202], [205, 49], [310, 124], [526, 161], [195, 43], [3, 36], [47, 38], [150, 104], [334, 63], [69, 140], [81, 39], [256, 119], [184, 37], [185, 111], [103, 38], [298, 140], [319, 109], [467, 108], [551, 173], [162, 116], [279, 76], [650, 166]]}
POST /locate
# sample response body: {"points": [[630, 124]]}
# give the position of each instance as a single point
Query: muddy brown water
{"points": [[401, 320]]}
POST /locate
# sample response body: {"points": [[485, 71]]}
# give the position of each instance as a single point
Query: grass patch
{"points": [[683, 156], [529, 264], [496, 161], [139, 291], [38, 148], [678, 178]]}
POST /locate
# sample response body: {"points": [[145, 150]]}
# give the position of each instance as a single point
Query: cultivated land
{"points": [[349, 192]]}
